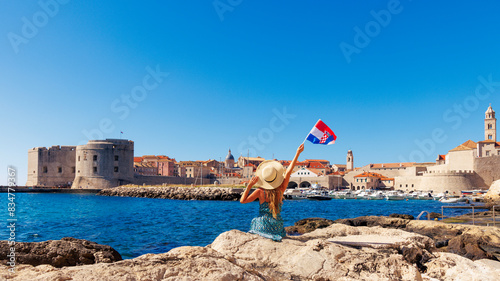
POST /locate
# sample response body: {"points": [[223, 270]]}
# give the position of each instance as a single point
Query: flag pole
{"points": [[305, 139]]}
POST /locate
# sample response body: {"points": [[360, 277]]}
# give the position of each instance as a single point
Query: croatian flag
{"points": [[321, 134]]}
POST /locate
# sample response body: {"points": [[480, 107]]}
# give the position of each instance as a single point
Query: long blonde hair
{"points": [[275, 197]]}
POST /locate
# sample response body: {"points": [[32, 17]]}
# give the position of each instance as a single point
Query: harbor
{"points": [[468, 196]]}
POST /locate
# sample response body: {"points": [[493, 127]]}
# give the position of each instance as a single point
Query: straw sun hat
{"points": [[271, 174]]}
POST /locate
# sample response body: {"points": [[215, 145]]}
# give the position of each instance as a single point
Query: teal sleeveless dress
{"points": [[266, 225]]}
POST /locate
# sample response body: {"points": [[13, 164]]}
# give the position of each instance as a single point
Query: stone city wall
{"points": [[488, 170]]}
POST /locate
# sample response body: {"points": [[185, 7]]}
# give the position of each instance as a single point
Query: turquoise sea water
{"points": [[136, 226]]}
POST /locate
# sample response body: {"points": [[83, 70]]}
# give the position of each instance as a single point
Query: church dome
{"points": [[229, 156]]}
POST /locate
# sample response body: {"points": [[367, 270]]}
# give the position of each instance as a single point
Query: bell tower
{"points": [[350, 161], [490, 125]]}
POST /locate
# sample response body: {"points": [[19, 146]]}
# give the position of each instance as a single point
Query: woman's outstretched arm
{"points": [[289, 170], [247, 199]]}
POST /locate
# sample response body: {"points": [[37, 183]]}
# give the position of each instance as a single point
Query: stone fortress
{"points": [[110, 163], [99, 163]]}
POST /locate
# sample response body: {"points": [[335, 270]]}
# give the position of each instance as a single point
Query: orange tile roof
{"points": [[442, 157], [373, 175], [316, 165], [365, 174], [138, 159], [468, 145]]}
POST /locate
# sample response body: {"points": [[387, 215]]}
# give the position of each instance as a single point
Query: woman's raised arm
{"points": [[247, 199], [289, 170]]}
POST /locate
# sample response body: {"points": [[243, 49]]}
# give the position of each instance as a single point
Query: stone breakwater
{"points": [[335, 252], [175, 192]]}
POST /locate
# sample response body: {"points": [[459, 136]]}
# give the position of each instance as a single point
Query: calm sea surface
{"points": [[136, 226]]}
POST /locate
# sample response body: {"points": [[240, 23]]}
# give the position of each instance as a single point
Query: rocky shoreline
{"points": [[364, 248], [175, 192]]}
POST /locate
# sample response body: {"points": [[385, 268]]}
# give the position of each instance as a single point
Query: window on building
{"points": [[490, 126], [487, 153], [95, 157], [73, 169], [44, 169], [78, 171], [95, 169], [490, 137], [59, 169], [412, 185], [499, 152], [116, 157], [78, 158]]}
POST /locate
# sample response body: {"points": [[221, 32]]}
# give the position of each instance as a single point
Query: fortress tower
{"points": [[490, 125], [104, 163], [350, 161]]}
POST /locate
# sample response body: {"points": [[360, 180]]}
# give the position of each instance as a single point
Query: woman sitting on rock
{"points": [[272, 181]]}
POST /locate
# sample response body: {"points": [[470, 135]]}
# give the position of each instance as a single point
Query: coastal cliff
{"points": [[175, 192], [334, 252]]}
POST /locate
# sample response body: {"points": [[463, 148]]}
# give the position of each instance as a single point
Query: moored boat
{"points": [[395, 195], [378, 195], [319, 195], [294, 194], [454, 199], [345, 195]]}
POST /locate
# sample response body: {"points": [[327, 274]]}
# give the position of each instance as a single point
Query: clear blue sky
{"points": [[65, 69]]}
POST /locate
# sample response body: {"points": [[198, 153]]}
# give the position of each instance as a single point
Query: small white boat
{"points": [[395, 195], [294, 194], [379, 195], [345, 195], [412, 196], [439, 196], [453, 199], [424, 196], [319, 195], [364, 194]]}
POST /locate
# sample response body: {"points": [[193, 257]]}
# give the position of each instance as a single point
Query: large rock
{"points": [[446, 266], [493, 194], [308, 225], [337, 252], [58, 253], [382, 221], [474, 242]]}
